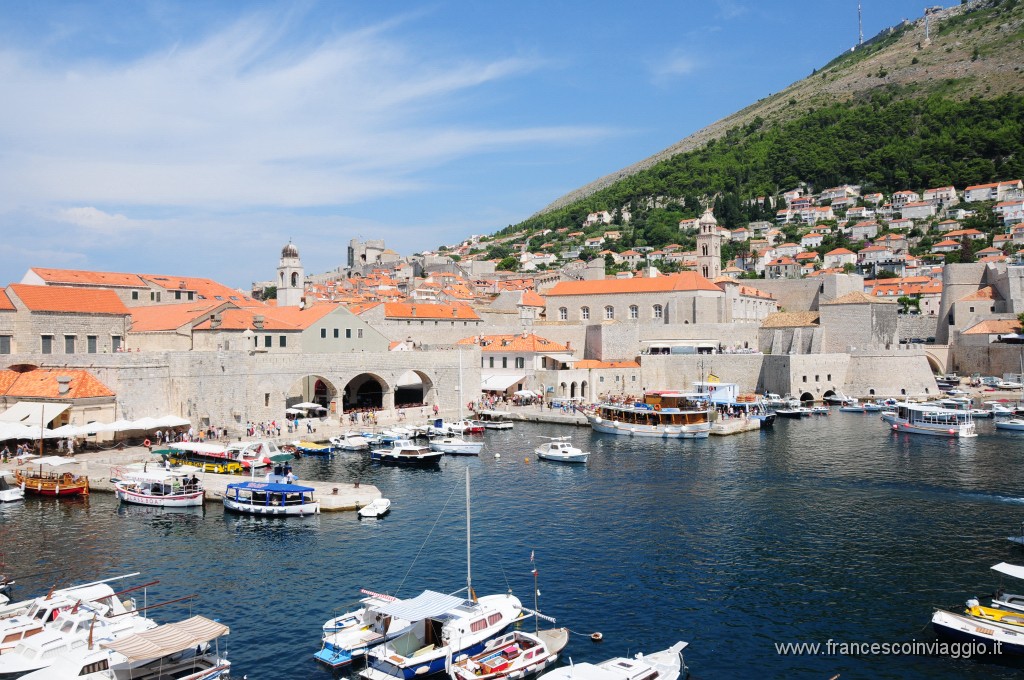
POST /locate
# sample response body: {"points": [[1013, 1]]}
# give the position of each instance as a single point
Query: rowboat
{"points": [[52, 483], [378, 507], [515, 655]]}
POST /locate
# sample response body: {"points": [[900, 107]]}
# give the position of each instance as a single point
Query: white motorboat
{"points": [[667, 664], [821, 410], [350, 636], [496, 420], [1002, 599], [1002, 638], [10, 489], [350, 441], [930, 419], [965, 404], [456, 445], [465, 427], [1011, 424], [378, 507], [257, 454], [559, 449], [263, 498], [404, 452], [514, 655], [161, 488]]}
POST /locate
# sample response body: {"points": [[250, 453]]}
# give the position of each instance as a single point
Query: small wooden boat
{"points": [[514, 655], [262, 498], [378, 507], [52, 483]]}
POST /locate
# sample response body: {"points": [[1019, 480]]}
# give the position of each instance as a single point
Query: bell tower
{"points": [[290, 278], [709, 246]]}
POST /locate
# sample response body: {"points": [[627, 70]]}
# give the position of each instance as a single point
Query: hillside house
{"points": [[917, 210], [863, 231], [838, 258], [993, 191], [902, 198], [782, 268], [945, 196]]}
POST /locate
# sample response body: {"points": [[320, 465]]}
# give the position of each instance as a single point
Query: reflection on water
{"points": [[825, 528]]}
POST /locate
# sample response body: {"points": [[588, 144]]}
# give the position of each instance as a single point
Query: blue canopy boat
{"points": [[267, 498]]}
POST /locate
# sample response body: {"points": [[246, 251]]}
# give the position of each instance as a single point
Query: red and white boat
{"points": [[176, 488], [465, 427]]}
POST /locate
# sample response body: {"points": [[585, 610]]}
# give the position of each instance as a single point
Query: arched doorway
{"points": [[572, 390], [412, 389], [806, 396], [561, 389], [583, 389], [313, 389], [366, 390], [828, 393]]}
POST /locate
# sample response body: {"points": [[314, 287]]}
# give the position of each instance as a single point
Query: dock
{"points": [[101, 466], [734, 426]]}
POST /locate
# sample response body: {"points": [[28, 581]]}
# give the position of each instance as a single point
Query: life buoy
{"points": [[146, 443], [657, 407]]}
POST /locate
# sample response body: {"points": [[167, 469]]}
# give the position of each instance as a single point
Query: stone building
{"points": [[509, 362], [52, 397], [709, 246], [291, 278], [61, 320]]}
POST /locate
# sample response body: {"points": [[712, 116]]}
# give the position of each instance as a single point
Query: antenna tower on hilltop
{"points": [[860, 26]]}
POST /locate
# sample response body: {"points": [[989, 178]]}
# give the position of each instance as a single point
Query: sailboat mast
{"points": [[469, 552]]}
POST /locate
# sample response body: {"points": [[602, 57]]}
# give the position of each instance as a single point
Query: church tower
{"points": [[709, 246], [290, 278]]}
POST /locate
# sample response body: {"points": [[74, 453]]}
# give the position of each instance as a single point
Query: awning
{"points": [[499, 383], [33, 412], [424, 606], [167, 639], [1010, 570]]}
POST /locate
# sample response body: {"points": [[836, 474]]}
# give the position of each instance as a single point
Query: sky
{"points": [[198, 138]]}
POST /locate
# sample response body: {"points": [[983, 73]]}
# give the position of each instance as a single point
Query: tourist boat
{"points": [[1007, 639], [47, 483], [207, 457], [495, 420], [514, 655], [404, 452], [257, 454], [350, 636], [378, 507], [929, 419], [456, 445], [263, 498], [964, 404], [672, 415], [162, 488], [173, 651], [350, 441], [1010, 424], [10, 488], [465, 427], [798, 412], [307, 448], [559, 449], [667, 664], [442, 627]]}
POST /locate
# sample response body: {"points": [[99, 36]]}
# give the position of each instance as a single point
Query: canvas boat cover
{"points": [[169, 638], [1010, 570], [270, 487], [427, 604]]}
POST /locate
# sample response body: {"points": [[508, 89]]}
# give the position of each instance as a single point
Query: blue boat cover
{"points": [[271, 488], [427, 604]]}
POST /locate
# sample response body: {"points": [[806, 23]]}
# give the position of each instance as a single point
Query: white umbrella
{"points": [[306, 405], [65, 431], [147, 424], [119, 426], [173, 421]]}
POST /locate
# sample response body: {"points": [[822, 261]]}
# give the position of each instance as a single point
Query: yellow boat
{"points": [[313, 449], [1010, 618]]}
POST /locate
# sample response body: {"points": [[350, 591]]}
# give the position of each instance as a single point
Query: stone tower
{"points": [[709, 246], [290, 278]]}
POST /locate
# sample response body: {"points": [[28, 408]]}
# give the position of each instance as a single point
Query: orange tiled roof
{"points": [[170, 317], [683, 281], [994, 326], [531, 299], [986, 293], [857, 298], [5, 302], [41, 383], [68, 300], [840, 251], [276, 319], [424, 310], [84, 278], [514, 343]]}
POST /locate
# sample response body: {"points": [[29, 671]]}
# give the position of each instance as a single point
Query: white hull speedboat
{"points": [[1011, 424], [1006, 639], [378, 507], [664, 665], [456, 445], [10, 490], [514, 656], [350, 636], [561, 451], [351, 441], [404, 452]]}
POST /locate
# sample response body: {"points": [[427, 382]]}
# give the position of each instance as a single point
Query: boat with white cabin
{"points": [[495, 420], [404, 452], [1011, 424], [349, 637], [671, 415], [176, 488], [667, 664], [350, 441], [456, 445], [930, 419], [271, 499], [559, 449]]}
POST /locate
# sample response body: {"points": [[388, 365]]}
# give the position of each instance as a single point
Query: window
{"points": [[829, 377], [971, 309], [634, 312], [504, 362], [69, 344], [323, 332], [658, 312], [266, 398], [268, 341], [609, 312], [348, 333], [283, 341], [47, 344], [816, 379], [90, 342], [359, 332], [5, 344], [520, 362], [563, 314], [135, 295], [115, 343], [191, 295], [177, 295], [336, 332], [490, 362], [585, 313], [805, 378]]}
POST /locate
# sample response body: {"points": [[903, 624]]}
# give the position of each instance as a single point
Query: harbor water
{"points": [[824, 528]]}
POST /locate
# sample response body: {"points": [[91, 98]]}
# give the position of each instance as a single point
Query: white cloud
{"points": [[673, 67], [95, 220]]}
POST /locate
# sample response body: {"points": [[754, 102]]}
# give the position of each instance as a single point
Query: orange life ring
{"points": [[146, 443], [657, 407]]}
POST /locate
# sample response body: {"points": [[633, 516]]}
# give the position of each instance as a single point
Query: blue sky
{"points": [[197, 138]]}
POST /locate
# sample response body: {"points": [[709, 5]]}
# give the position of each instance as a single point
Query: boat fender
{"points": [[596, 637]]}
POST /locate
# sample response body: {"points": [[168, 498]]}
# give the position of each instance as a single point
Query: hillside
{"points": [[976, 50]]}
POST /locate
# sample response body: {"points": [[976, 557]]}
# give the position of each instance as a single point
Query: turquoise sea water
{"points": [[824, 528]]}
